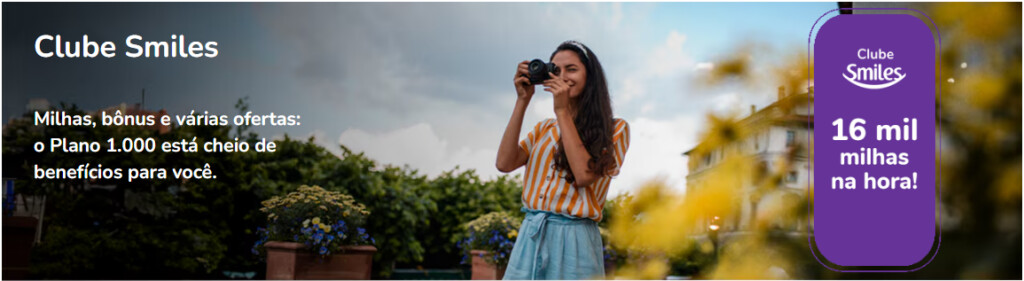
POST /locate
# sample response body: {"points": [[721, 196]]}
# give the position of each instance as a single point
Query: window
{"points": [[790, 138], [791, 177]]}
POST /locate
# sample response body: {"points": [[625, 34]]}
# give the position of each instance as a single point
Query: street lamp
{"points": [[713, 235]]}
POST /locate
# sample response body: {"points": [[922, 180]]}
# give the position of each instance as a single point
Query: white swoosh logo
{"points": [[874, 87]]}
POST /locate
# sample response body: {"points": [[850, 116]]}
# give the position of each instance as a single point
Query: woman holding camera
{"points": [[570, 161]]}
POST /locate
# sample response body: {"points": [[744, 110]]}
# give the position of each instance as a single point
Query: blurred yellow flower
{"points": [[988, 22]]}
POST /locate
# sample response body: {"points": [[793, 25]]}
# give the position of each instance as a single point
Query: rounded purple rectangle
{"points": [[874, 141]]}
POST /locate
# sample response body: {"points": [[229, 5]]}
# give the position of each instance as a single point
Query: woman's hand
{"points": [[560, 89], [523, 87]]}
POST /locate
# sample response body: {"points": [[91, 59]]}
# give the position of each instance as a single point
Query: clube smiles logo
{"points": [[876, 76]]}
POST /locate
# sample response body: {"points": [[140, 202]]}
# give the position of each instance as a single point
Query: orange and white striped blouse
{"points": [[545, 188]]}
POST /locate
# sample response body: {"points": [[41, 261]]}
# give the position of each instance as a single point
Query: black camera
{"points": [[539, 71]]}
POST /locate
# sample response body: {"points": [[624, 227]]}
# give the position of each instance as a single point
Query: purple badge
{"points": [[874, 143]]}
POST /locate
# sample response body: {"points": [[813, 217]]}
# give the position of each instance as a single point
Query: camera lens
{"points": [[536, 65], [539, 71]]}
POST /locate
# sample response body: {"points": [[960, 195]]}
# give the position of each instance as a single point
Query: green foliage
{"points": [[392, 195], [462, 196], [690, 263]]}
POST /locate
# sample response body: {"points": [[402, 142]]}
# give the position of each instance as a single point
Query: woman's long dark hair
{"points": [[593, 116]]}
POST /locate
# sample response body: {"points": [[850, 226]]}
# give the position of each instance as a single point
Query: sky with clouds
{"points": [[427, 85]]}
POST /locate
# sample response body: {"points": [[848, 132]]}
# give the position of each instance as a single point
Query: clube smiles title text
{"points": [[54, 46]]}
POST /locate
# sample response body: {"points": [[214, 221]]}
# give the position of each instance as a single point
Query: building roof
{"points": [[778, 113]]}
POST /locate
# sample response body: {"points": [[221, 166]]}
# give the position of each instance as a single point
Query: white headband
{"points": [[578, 46]]}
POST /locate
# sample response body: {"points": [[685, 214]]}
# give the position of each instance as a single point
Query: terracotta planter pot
{"points": [[290, 260], [482, 270]]}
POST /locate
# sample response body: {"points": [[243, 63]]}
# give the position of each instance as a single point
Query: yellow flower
{"points": [[513, 234], [322, 207], [326, 228], [316, 220]]}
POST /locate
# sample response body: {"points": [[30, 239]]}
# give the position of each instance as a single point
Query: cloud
{"points": [[725, 103], [381, 66], [704, 66], [669, 57], [647, 108], [617, 16], [418, 86], [655, 150], [541, 107], [319, 137], [632, 87], [662, 64], [420, 147]]}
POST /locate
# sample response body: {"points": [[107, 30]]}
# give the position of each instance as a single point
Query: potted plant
{"points": [[488, 244], [313, 233]]}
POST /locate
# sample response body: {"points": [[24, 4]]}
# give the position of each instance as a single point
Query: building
{"points": [[776, 139]]}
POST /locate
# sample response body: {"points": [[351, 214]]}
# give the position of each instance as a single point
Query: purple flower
{"points": [[363, 235]]}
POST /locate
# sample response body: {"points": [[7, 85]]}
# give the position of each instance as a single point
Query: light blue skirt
{"points": [[554, 246]]}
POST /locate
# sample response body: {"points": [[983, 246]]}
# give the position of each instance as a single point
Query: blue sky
{"points": [[421, 84]]}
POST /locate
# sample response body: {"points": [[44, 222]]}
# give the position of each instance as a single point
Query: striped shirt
{"points": [[545, 188]]}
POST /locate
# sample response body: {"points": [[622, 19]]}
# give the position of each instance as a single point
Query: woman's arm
{"points": [[575, 152], [510, 155]]}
